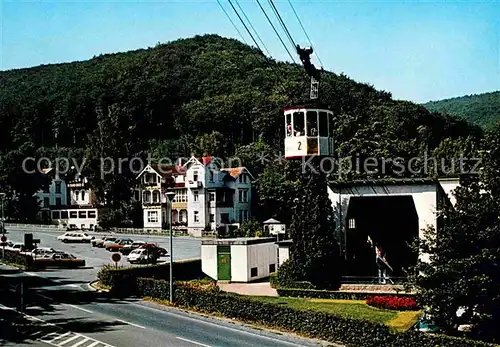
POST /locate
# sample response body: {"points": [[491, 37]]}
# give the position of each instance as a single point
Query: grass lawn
{"points": [[349, 308]]}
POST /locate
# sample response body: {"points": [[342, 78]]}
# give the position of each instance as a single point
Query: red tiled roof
{"points": [[233, 171], [206, 160]]}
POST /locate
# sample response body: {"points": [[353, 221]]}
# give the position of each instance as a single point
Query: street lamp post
{"points": [[2, 198], [170, 198]]}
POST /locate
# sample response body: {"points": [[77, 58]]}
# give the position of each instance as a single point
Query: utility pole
{"points": [[170, 200]]}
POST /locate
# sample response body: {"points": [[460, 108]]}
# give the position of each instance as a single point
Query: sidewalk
{"points": [[7, 269], [257, 289]]}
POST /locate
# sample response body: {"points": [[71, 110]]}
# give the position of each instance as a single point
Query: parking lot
{"points": [[95, 258]]}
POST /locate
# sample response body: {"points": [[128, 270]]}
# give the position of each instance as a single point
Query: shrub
{"points": [[331, 294], [18, 259], [286, 277], [393, 303], [321, 325], [123, 280]]}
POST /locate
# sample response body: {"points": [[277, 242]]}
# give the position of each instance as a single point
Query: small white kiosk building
{"points": [[239, 259]]}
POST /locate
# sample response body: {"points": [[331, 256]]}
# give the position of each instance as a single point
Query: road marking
{"points": [[93, 344], [59, 336], [81, 342], [79, 308], [68, 340], [193, 342], [135, 325]]}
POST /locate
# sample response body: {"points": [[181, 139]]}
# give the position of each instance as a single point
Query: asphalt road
{"points": [[61, 311], [95, 258]]}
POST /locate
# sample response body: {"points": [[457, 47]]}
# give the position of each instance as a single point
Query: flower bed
{"points": [[393, 303]]}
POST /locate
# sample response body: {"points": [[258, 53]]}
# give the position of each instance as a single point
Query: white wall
{"points": [[77, 221], [283, 253], [209, 260], [239, 263], [261, 256], [449, 186], [156, 225]]}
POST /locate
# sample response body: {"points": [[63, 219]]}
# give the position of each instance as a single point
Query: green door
{"points": [[224, 263]]}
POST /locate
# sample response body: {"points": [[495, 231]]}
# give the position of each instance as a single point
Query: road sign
{"points": [[116, 257], [4, 238], [275, 229]]}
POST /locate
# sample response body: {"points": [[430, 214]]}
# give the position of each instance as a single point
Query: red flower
{"points": [[393, 303]]}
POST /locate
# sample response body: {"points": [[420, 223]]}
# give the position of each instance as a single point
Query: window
{"points": [[240, 195], [56, 214], [240, 215], [77, 194], [64, 214], [288, 125], [312, 123], [82, 214], [46, 202], [152, 216], [83, 195], [212, 218], [58, 202], [211, 196], [195, 176], [298, 123], [352, 223], [58, 187], [181, 195], [272, 268], [331, 124], [196, 217], [211, 173], [224, 218], [156, 196], [323, 124], [242, 178], [92, 214], [245, 196], [195, 196], [253, 272], [73, 214]]}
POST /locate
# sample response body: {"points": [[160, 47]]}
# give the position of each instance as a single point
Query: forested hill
{"points": [[481, 109], [205, 94]]}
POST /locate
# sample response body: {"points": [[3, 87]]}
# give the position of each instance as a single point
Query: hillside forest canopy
{"points": [[205, 95]]}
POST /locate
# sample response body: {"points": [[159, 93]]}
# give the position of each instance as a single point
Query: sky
{"points": [[417, 50]]}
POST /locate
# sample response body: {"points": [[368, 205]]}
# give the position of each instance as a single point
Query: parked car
{"points": [[41, 252], [125, 250], [162, 252], [16, 247], [72, 227], [142, 255], [75, 237], [59, 260], [100, 242], [117, 244]]}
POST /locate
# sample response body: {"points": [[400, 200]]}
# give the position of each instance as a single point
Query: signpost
{"points": [[116, 258], [4, 242]]}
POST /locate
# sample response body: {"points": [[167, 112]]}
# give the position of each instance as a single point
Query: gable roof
{"points": [[164, 170], [200, 160]]}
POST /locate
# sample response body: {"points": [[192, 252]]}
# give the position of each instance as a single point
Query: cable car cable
{"points": [[283, 25], [248, 31], [234, 25], [305, 32], [276, 31], [251, 26]]}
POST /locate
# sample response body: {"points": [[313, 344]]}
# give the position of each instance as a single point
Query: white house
{"points": [[154, 183], [217, 198], [69, 200], [239, 259]]}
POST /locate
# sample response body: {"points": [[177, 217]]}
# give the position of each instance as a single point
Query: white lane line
{"points": [[193, 342], [135, 325], [93, 344], [59, 336], [68, 340], [81, 342], [79, 308]]}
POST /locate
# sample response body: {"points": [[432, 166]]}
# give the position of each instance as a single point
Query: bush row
{"points": [[18, 259], [122, 280], [325, 326], [393, 303], [277, 282], [332, 294]]}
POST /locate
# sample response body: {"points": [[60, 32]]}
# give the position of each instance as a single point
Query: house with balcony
{"points": [[217, 198], [154, 182], [69, 200]]}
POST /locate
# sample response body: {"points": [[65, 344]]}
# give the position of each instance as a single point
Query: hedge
{"points": [[16, 258], [122, 280], [320, 325], [332, 294], [276, 283]]}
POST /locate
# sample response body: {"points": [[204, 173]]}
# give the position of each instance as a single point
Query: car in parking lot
{"points": [[15, 247], [142, 255], [125, 250], [42, 252], [59, 260], [75, 237], [101, 241], [117, 244]]}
